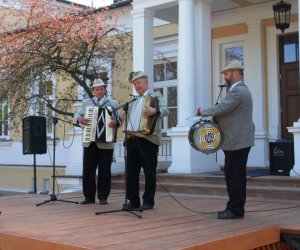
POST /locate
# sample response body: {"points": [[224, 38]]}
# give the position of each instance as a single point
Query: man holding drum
{"points": [[234, 116]]}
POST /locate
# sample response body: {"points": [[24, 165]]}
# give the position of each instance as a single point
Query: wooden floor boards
{"points": [[170, 225]]}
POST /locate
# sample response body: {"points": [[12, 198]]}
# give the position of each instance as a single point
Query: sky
{"points": [[94, 3]]}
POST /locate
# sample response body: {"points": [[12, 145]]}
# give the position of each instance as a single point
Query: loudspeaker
{"points": [[281, 157], [34, 135]]}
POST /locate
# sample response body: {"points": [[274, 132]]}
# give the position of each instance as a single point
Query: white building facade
{"points": [[199, 37], [200, 58]]}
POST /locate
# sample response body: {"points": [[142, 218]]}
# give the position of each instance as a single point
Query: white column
{"points": [[296, 128], [143, 41], [186, 62], [299, 36], [254, 62], [202, 12], [203, 53], [296, 131], [184, 158]]}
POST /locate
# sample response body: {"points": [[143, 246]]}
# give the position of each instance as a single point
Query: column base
{"points": [[296, 131]]}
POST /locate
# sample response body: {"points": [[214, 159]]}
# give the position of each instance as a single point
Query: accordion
{"points": [[97, 128], [146, 124]]}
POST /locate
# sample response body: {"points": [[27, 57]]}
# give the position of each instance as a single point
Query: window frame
{"points": [[5, 103], [36, 111], [164, 85]]}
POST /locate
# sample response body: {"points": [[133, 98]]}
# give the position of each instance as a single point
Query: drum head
{"points": [[206, 137]]}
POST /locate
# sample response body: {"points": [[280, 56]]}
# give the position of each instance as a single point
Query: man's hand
{"points": [[149, 111], [199, 111], [82, 120], [122, 116], [112, 124]]}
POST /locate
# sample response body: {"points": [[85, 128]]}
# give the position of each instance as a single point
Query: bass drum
{"points": [[206, 136]]}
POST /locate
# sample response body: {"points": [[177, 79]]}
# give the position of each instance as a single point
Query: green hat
{"points": [[135, 75]]}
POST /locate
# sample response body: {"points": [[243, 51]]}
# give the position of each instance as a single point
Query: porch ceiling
{"points": [[170, 14]]}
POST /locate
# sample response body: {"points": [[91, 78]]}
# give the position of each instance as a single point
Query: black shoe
{"points": [[131, 205], [222, 211], [87, 201], [229, 215], [146, 206], [103, 201]]}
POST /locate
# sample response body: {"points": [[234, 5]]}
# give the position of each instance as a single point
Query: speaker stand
{"points": [[53, 196], [34, 191], [34, 174]]}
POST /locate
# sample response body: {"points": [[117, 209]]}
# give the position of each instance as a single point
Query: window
{"points": [[4, 122], [234, 53], [165, 82], [165, 71], [226, 51], [46, 90], [290, 50]]}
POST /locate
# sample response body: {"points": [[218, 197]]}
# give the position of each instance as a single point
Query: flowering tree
{"points": [[42, 38]]}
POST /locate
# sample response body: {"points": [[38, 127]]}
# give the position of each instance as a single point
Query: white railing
{"points": [[164, 152]]}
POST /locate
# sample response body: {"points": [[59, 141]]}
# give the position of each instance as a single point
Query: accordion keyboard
{"points": [[89, 131]]}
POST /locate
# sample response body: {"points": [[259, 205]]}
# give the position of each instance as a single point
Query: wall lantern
{"points": [[282, 13]]}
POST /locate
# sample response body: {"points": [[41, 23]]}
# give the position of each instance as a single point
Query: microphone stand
{"points": [[53, 197], [125, 205], [221, 88]]}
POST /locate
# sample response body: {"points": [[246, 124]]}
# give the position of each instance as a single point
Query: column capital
{"points": [[138, 13]]}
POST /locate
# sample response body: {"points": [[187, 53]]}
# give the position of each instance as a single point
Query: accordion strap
{"points": [[156, 115], [97, 104]]}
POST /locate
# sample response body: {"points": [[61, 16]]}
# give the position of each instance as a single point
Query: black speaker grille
{"points": [[34, 135]]}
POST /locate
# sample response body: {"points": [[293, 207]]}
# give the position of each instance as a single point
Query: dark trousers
{"points": [[141, 153], [235, 177], [94, 158]]}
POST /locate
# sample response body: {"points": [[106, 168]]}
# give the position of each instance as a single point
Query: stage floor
{"points": [[170, 225]]}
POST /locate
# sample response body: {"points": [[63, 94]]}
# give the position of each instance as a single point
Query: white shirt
{"points": [[233, 85], [99, 101]]}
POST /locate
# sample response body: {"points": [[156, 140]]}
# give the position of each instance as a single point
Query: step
{"points": [[275, 188], [275, 181]]}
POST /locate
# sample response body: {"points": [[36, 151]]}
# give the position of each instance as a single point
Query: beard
{"points": [[228, 82]]}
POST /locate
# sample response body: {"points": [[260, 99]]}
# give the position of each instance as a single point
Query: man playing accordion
{"points": [[143, 144], [97, 153]]}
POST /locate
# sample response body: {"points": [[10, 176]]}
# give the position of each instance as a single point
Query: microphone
{"points": [[134, 96], [222, 85]]}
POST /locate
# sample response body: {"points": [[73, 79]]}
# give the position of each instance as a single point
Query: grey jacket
{"points": [[156, 137], [89, 102], [234, 116]]}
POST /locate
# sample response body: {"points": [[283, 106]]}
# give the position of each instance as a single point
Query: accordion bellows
{"points": [[147, 124]]}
